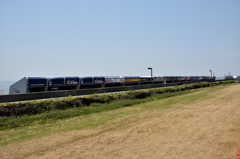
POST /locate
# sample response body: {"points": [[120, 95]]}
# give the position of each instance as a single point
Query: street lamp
{"points": [[151, 71], [150, 68], [211, 73]]}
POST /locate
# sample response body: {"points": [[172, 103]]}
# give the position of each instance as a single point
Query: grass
{"points": [[95, 115]]}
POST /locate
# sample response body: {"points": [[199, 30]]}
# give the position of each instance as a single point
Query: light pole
{"points": [[211, 74], [151, 72]]}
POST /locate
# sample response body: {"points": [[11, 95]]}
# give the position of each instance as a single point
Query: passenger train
{"points": [[43, 84]]}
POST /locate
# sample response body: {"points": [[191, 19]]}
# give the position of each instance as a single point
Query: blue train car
{"points": [[72, 81], [55, 84], [37, 84], [92, 82], [63, 83], [98, 80]]}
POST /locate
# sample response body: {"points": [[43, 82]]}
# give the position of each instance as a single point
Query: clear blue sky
{"points": [[87, 38]]}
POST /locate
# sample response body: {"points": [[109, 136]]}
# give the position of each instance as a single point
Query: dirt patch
{"points": [[205, 128]]}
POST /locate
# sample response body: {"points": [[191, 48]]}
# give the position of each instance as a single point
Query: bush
{"points": [[206, 84], [168, 89], [183, 88], [189, 87], [196, 86], [137, 94], [158, 91], [127, 96], [232, 81], [142, 94], [214, 84]]}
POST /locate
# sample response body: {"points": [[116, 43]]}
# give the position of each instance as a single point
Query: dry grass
{"points": [[207, 127]]}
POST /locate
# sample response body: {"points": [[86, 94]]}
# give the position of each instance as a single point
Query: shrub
{"points": [[158, 91], [214, 83], [182, 88], [127, 96], [142, 94], [232, 81], [107, 97], [206, 84], [196, 86], [167, 89], [189, 87], [137, 94]]}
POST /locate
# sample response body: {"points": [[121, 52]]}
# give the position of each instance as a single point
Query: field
{"points": [[203, 123]]}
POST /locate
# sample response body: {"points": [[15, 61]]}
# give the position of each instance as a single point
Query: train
{"points": [[45, 84]]}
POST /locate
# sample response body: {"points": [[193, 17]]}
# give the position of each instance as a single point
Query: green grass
{"points": [[95, 115]]}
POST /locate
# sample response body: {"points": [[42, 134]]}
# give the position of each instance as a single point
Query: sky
{"points": [[58, 38]]}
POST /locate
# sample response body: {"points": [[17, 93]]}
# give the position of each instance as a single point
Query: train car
{"points": [[55, 84], [72, 83], [131, 80], [149, 80], [170, 79], [158, 79], [145, 80], [183, 79], [177, 79], [120, 80], [114, 81], [86, 82], [28, 85], [92, 82], [98, 81], [195, 78], [189, 78], [36, 84], [206, 78], [63, 83]]}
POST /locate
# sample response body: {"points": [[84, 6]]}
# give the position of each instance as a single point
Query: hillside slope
{"points": [[201, 124]]}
